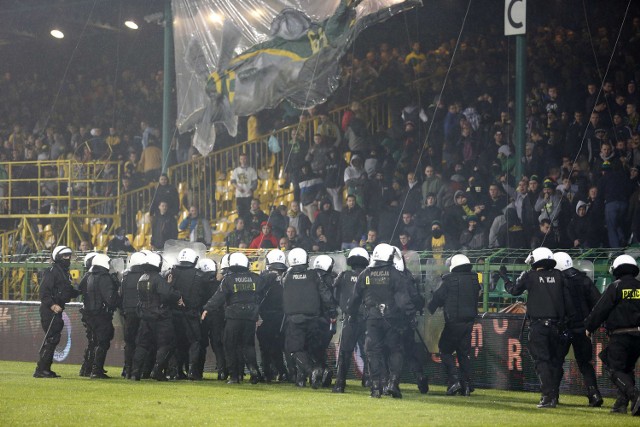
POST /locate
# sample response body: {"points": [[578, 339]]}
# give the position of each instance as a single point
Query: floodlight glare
{"points": [[130, 24], [57, 34]]}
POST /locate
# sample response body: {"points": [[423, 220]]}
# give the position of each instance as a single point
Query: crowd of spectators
{"points": [[442, 177]]}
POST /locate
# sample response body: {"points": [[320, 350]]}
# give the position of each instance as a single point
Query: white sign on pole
{"points": [[515, 17]]}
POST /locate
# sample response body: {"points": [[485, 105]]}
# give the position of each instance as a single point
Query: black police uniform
{"points": [[55, 288], [212, 328], [269, 333], [458, 294], [411, 350], [129, 306], [353, 327], [584, 296], [187, 280], [99, 305], [387, 302], [240, 292], [619, 308], [155, 300], [548, 305], [327, 328], [87, 361], [305, 299]]}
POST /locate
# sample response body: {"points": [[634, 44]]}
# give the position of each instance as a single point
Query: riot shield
{"points": [[433, 324], [585, 266]]}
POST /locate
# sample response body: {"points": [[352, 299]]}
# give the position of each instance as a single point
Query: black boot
{"points": [[327, 376], [316, 378], [376, 390], [547, 402], [423, 384], [620, 405], [222, 375], [97, 371], [467, 389], [301, 379], [454, 388], [393, 388], [85, 369], [594, 396], [635, 409], [452, 375], [194, 374], [43, 368], [255, 376], [338, 387]]}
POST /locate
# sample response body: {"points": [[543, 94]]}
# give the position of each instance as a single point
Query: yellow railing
{"points": [[57, 202]]}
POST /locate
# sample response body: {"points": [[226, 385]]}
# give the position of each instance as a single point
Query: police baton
{"points": [[415, 329], [47, 333]]}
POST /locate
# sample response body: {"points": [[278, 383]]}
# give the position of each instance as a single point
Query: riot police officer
{"points": [[240, 292], [128, 305], [619, 308], [414, 363], [323, 265], [269, 332], [353, 327], [305, 297], [584, 296], [87, 361], [548, 305], [387, 302], [55, 291], [99, 305], [155, 300], [458, 295], [212, 327], [187, 280]]}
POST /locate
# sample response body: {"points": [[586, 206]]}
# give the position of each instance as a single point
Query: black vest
{"points": [[186, 280], [379, 296], [300, 292], [461, 302], [271, 306], [148, 295], [546, 294], [242, 290], [129, 288]]}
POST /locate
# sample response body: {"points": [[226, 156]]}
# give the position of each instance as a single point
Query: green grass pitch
{"points": [[72, 400]]}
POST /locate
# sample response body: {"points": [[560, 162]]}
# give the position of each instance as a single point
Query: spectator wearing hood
{"points": [[446, 194], [120, 242], [428, 213], [165, 192], [578, 230], [438, 241], [329, 219], [511, 232], [355, 178], [455, 217], [473, 237], [265, 239]]}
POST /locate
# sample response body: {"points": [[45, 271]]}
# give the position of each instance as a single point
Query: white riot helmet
{"points": [[297, 256], [324, 263], [624, 264], [358, 257], [383, 253], [460, 262], [563, 261], [398, 259], [238, 260], [541, 257], [188, 255], [153, 259], [276, 260], [206, 265], [100, 260], [137, 258], [88, 258], [59, 252], [224, 262]]}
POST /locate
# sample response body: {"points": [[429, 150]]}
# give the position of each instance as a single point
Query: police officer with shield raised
{"points": [[619, 309]]}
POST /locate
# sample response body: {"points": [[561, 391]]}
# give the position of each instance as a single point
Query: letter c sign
{"points": [[515, 17]]}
